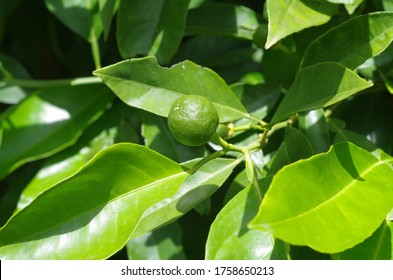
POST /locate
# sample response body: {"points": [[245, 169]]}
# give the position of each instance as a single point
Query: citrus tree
{"points": [[197, 129]]}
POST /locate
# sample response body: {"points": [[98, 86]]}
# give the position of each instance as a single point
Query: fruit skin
{"points": [[192, 120]]}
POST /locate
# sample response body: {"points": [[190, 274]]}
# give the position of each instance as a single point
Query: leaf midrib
{"points": [[101, 205], [299, 216]]}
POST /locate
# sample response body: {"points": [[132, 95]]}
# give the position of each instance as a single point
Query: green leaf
{"points": [[12, 94], [231, 20], [259, 99], [356, 138], [387, 5], [151, 27], [100, 135], [341, 201], [49, 121], [352, 7], [352, 42], [318, 86], [294, 147], [77, 15], [376, 247], [101, 202], [313, 124], [156, 91], [196, 188], [161, 244], [230, 239], [158, 137], [108, 8], [289, 16]]}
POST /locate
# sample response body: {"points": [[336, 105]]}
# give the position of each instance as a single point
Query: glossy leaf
{"points": [[100, 135], [352, 7], [230, 239], [196, 188], [107, 10], [313, 124], [77, 15], [352, 42], [100, 202], [158, 137], [161, 244], [157, 91], [376, 247], [151, 27], [49, 121], [259, 99], [232, 20], [318, 86], [289, 16], [294, 147], [342, 200], [354, 137]]}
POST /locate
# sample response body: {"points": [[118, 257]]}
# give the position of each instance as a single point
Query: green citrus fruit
{"points": [[192, 120]]}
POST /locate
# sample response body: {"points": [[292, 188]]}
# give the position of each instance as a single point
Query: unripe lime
{"points": [[192, 120]]}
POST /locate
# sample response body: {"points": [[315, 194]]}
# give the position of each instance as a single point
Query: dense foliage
{"points": [[301, 166]]}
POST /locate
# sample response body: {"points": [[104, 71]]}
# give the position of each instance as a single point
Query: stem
{"points": [[95, 50], [251, 117], [225, 145], [51, 83], [205, 160], [277, 127], [248, 127]]}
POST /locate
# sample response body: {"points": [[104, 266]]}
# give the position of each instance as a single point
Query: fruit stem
{"points": [[225, 145]]}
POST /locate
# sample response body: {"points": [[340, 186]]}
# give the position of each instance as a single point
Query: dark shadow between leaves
{"points": [[321, 6], [345, 158]]}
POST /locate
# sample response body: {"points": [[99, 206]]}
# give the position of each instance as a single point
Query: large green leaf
{"points": [[352, 42], [80, 16], [330, 202], [48, 121], [230, 239], [318, 86], [103, 133], [290, 16], [231, 20], [101, 202], [196, 188], [144, 84], [161, 244], [153, 27], [376, 247]]}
